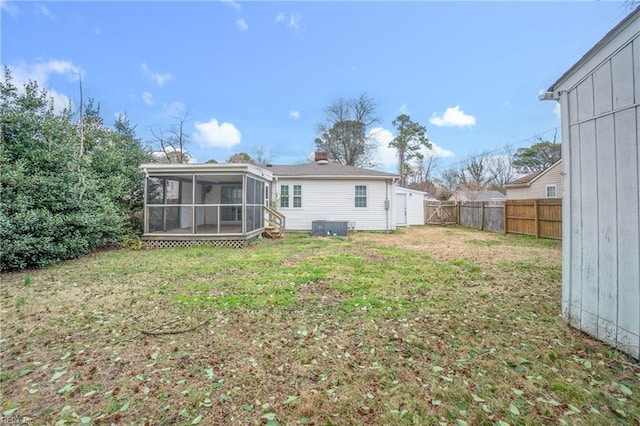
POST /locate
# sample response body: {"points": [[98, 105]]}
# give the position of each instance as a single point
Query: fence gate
{"points": [[438, 213]]}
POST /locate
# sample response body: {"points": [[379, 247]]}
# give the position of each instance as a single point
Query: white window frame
{"points": [[555, 191], [282, 197], [356, 197], [299, 197]]}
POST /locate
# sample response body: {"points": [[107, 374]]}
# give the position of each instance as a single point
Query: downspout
{"points": [[386, 204], [144, 204]]}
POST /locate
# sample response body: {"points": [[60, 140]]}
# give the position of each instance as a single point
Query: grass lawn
{"points": [[425, 326]]}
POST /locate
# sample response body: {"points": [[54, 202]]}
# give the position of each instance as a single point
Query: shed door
{"points": [[401, 209]]}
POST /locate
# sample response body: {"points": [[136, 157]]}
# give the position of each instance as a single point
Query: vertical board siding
{"points": [[575, 239], [636, 68], [585, 99], [589, 231], [601, 247], [628, 320], [621, 77], [602, 89], [607, 223], [566, 212]]}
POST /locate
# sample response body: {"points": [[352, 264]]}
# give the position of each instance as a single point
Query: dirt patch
{"points": [[452, 243]]}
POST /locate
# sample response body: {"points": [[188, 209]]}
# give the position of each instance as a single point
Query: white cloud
{"points": [[453, 117], [293, 22], [232, 4], [41, 9], [294, 114], [556, 110], [404, 109], [10, 8], [388, 157], [439, 152], [41, 73], [385, 156], [506, 104], [214, 135], [158, 78], [242, 25], [173, 109], [147, 98]]}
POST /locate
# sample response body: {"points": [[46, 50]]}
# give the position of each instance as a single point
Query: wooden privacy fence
{"points": [[540, 218]]}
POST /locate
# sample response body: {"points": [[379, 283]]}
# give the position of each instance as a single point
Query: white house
{"points": [[600, 105], [544, 184], [326, 191]]}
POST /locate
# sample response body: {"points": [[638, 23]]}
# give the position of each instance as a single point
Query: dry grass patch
{"points": [[423, 326]]}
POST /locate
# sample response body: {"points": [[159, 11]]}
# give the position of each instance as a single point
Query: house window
{"points": [[297, 195], [361, 196], [552, 191], [284, 196]]}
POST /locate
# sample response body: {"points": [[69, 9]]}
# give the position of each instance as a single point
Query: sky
{"points": [[251, 75]]}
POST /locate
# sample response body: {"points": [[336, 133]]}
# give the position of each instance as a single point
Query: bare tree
{"points": [[475, 174], [172, 143], [422, 171], [262, 156], [344, 132], [502, 169]]}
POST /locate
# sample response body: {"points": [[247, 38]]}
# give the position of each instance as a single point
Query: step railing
{"points": [[274, 222]]}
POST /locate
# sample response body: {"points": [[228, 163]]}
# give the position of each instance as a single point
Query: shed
{"points": [[600, 108], [410, 206]]}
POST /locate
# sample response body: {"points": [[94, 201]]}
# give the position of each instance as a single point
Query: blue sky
{"points": [[250, 74]]}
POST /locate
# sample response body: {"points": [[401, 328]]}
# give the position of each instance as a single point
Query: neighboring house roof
{"points": [[477, 196], [532, 177], [314, 170]]}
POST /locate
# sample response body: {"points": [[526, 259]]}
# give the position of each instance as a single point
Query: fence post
{"points": [[535, 218], [482, 215], [504, 216], [458, 221]]}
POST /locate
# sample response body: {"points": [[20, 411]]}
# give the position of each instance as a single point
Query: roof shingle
{"points": [[326, 170]]}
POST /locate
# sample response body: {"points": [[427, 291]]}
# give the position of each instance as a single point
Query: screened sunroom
{"points": [[200, 202]]}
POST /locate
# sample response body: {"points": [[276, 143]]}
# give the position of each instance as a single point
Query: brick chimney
{"points": [[322, 157]]}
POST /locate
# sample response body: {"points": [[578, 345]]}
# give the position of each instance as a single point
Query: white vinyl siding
{"points": [[361, 196], [333, 199], [297, 196], [538, 188]]}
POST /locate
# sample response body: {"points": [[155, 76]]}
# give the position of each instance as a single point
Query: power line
{"points": [[532, 138]]}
